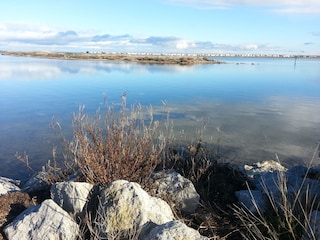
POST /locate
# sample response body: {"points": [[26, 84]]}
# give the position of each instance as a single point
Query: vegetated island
{"points": [[120, 57]]}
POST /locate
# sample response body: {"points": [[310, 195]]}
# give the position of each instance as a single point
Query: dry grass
{"points": [[287, 215]]}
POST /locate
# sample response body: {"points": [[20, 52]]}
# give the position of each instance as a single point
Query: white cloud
{"points": [[21, 36], [316, 34], [183, 44], [18, 30], [249, 46], [281, 6], [298, 9]]}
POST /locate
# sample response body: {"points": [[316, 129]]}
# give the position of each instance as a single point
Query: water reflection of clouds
{"points": [[300, 112], [255, 113], [288, 127], [27, 70], [108, 66], [32, 69], [296, 114]]}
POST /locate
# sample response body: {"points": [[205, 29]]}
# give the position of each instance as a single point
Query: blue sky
{"points": [[183, 26]]}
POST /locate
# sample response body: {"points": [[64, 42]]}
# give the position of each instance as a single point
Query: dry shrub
{"points": [[216, 182], [217, 187], [118, 144]]}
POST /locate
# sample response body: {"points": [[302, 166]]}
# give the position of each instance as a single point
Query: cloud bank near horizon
{"points": [[277, 6], [22, 36]]}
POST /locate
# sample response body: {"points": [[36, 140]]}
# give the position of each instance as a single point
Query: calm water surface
{"points": [[261, 106]]}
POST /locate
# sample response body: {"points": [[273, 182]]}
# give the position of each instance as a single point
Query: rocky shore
{"points": [[63, 208], [69, 209], [119, 57]]}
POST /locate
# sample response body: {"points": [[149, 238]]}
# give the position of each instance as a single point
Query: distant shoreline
{"points": [[147, 58], [159, 59]]}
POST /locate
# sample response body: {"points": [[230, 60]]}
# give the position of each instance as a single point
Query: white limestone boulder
{"points": [[125, 205], [297, 179], [173, 230], [265, 175], [170, 185], [8, 185], [46, 222], [260, 168], [71, 196], [296, 182]]}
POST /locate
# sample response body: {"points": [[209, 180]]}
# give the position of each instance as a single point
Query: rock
{"points": [[8, 185], [281, 185], [295, 180], [71, 196], [300, 177], [268, 182], [173, 230], [125, 205], [265, 176], [297, 171], [171, 186], [46, 221], [258, 169], [252, 199], [37, 182]]}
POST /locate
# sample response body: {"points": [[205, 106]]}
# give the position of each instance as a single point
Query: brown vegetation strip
{"points": [[140, 58]]}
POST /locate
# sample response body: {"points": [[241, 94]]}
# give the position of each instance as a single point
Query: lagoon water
{"points": [[261, 106]]}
